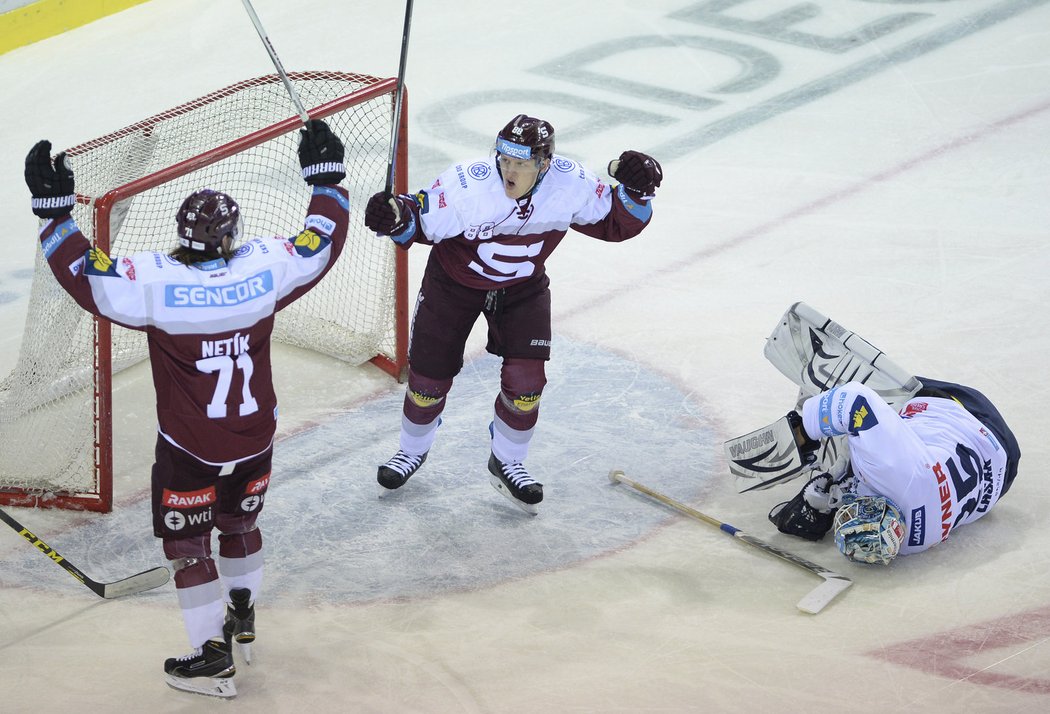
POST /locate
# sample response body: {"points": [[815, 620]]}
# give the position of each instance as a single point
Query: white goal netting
{"points": [[54, 433]]}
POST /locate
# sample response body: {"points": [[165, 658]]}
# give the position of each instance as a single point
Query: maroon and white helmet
{"points": [[526, 137], [205, 218]]}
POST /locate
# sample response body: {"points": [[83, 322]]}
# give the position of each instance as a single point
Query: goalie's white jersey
{"points": [[936, 461]]}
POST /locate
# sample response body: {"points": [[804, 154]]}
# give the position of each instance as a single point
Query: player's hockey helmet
{"points": [[868, 529], [205, 218], [526, 137]]}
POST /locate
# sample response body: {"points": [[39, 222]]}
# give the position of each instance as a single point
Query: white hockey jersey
{"points": [[485, 240], [938, 463]]}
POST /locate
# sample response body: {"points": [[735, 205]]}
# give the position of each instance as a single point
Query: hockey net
{"points": [[56, 405]]}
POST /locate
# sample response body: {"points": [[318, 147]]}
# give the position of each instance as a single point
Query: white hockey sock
{"points": [[509, 445], [241, 573], [416, 439], [203, 611]]}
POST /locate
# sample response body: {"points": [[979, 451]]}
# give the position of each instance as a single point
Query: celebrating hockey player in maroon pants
{"points": [[207, 309], [492, 224]]}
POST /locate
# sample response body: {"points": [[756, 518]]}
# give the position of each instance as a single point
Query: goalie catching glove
{"points": [[50, 183], [320, 154], [640, 174], [811, 513]]}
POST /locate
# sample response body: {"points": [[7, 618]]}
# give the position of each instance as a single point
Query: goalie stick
{"points": [[815, 601], [140, 582]]}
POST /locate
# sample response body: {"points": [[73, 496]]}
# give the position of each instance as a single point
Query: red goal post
{"points": [[56, 410]]}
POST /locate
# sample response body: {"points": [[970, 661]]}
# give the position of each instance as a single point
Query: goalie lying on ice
{"points": [[914, 476]]}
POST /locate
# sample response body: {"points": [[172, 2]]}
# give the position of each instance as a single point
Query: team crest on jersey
{"points": [[479, 170], [243, 250], [861, 417], [563, 165], [98, 263], [308, 239]]}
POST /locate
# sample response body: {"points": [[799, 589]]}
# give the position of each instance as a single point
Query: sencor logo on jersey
{"points": [[188, 499], [219, 295], [861, 416]]}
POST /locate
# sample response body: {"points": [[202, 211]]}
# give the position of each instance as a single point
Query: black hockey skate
{"points": [[395, 472], [240, 622], [207, 670], [514, 482]]}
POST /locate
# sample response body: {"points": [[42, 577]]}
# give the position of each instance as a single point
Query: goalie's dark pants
{"points": [[985, 412]]}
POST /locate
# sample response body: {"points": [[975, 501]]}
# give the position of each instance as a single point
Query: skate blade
{"points": [[531, 508], [222, 687], [244, 649]]}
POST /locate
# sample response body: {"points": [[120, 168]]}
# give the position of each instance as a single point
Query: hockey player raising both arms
{"points": [[492, 224], [207, 309]]}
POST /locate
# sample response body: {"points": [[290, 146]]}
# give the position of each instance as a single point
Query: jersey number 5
{"points": [[224, 365]]}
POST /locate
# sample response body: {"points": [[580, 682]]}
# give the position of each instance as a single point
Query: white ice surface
{"points": [[900, 186]]}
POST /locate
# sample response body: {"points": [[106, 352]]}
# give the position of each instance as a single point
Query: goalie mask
{"points": [[868, 529], [524, 148], [205, 218]]}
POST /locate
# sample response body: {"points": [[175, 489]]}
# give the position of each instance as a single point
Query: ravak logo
{"points": [[861, 416], [188, 499], [219, 295]]}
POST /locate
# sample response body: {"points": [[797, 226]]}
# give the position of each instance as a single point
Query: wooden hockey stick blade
{"points": [[146, 580], [814, 601]]}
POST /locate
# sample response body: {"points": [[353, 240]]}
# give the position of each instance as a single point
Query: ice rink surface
{"points": [[883, 161]]}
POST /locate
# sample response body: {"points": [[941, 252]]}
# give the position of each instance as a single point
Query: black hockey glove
{"points": [[50, 184], [320, 154], [387, 214], [639, 173]]}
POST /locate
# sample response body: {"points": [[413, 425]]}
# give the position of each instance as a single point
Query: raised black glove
{"points": [[387, 214], [320, 154], [639, 173], [50, 184]]}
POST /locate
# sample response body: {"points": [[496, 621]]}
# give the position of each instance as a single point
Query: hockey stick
{"points": [[146, 580], [812, 603], [399, 92], [276, 61]]}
